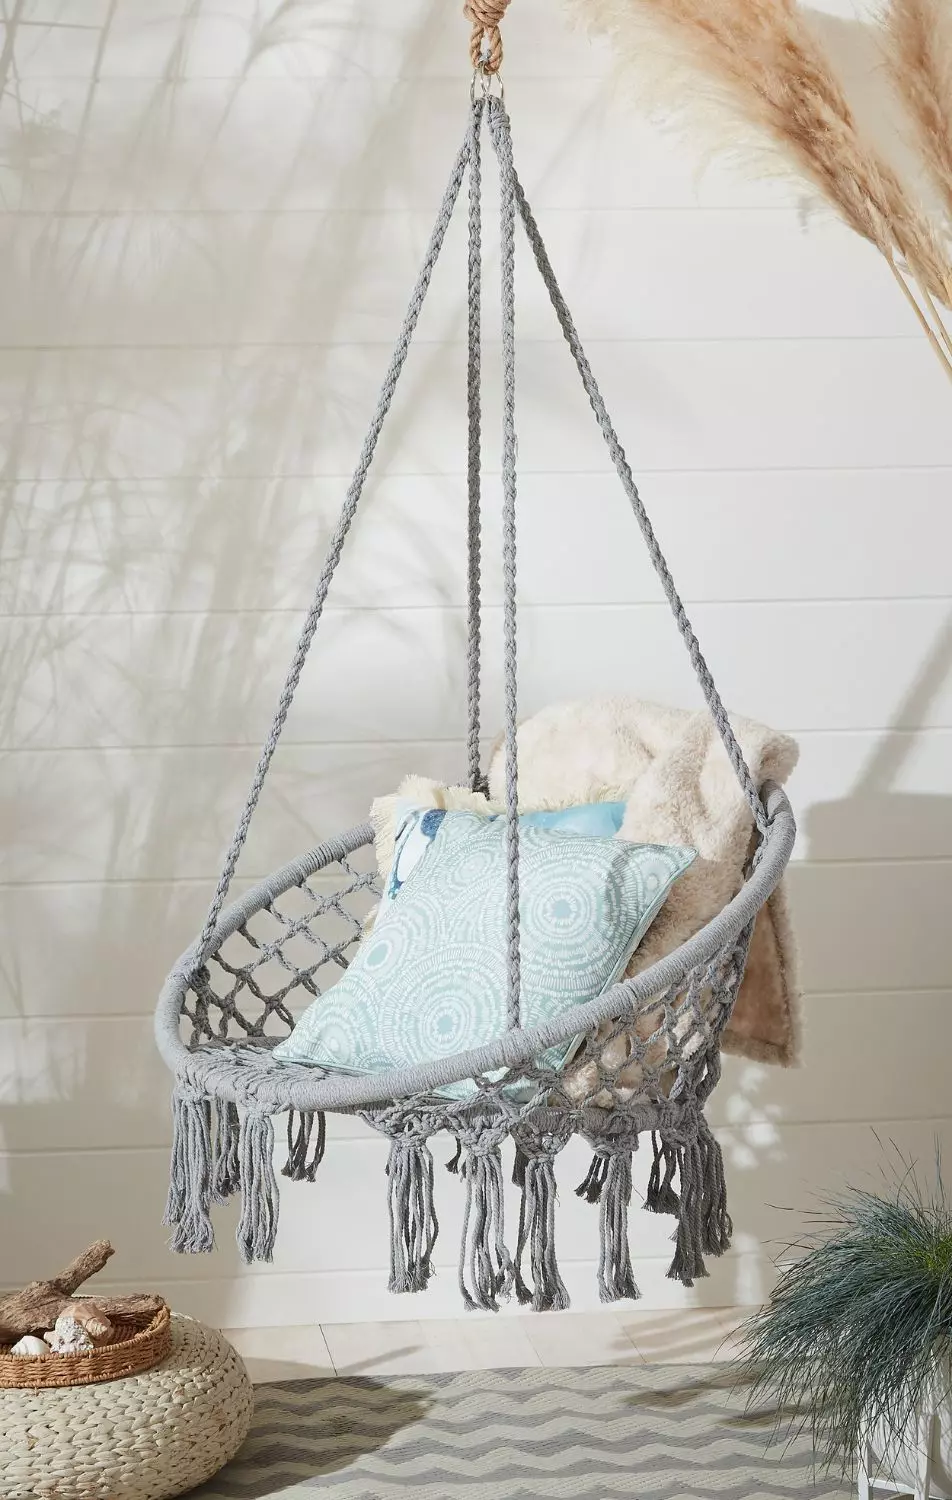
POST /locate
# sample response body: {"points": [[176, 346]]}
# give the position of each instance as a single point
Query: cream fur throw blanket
{"points": [[671, 769]]}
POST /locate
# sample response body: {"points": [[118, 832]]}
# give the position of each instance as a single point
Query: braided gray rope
{"points": [[354, 492], [474, 454], [502, 142], [512, 196], [499, 128]]}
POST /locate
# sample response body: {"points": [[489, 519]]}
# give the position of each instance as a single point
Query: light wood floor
{"points": [[612, 1337]]}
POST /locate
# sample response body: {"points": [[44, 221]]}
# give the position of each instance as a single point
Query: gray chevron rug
{"points": [[675, 1433]]}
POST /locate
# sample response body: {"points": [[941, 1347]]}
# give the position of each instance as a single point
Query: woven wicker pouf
{"points": [[146, 1437]]}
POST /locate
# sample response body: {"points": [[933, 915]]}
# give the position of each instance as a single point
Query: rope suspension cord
{"points": [[498, 123], [336, 547], [485, 42], [502, 143], [513, 204], [474, 451]]}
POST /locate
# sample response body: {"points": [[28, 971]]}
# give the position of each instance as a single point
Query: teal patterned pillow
{"points": [[416, 828], [430, 981]]}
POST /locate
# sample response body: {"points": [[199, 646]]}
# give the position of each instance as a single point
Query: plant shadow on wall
{"points": [[176, 458], [764, 83]]}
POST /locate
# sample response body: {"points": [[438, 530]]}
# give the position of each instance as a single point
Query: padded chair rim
{"points": [[303, 1088]]}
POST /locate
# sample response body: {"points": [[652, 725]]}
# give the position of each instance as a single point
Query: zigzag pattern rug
{"points": [[674, 1433]]}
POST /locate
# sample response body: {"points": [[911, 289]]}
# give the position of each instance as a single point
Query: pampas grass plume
{"points": [[713, 66]]}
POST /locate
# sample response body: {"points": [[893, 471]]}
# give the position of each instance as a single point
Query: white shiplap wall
{"points": [[211, 216]]}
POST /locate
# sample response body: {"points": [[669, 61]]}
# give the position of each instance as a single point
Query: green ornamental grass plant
{"points": [[858, 1331]]}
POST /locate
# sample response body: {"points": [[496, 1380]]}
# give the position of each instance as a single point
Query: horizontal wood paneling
{"points": [[145, 39], [400, 674], [872, 925], [128, 545], [293, 143], [240, 1300], [130, 815], [147, 279], [105, 949], [96, 1083], [164, 814], [276, 411]]}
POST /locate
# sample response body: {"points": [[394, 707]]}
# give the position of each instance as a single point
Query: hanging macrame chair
{"points": [[231, 996]]}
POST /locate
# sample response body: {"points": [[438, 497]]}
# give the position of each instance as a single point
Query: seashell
{"points": [[29, 1348], [89, 1315], [68, 1337]]}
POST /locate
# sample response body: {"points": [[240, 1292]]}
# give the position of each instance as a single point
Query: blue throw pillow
{"points": [[416, 830], [430, 980]]}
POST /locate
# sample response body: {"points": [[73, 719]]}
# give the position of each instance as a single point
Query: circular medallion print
{"points": [[449, 1000]]}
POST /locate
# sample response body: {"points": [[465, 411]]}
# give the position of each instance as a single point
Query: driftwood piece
{"points": [[136, 1302], [38, 1306]]}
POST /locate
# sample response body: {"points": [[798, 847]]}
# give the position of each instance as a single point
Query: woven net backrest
{"points": [[285, 952], [283, 955]]}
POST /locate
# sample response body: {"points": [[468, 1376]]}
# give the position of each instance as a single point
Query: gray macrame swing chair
{"points": [[235, 987]]}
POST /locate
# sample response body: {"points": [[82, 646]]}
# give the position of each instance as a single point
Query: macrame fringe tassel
{"points": [[716, 1221], [187, 1207], [297, 1167], [661, 1197], [258, 1224], [453, 1164], [536, 1176], [590, 1188], [616, 1279], [413, 1223], [225, 1151], [485, 1265], [688, 1262]]}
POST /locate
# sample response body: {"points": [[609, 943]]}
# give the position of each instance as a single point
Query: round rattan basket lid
{"points": [[142, 1340]]}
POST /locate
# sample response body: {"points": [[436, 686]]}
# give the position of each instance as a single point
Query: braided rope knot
{"points": [[485, 16], [482, 1135]]}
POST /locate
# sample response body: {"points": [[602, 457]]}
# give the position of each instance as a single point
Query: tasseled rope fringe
{"points": [[717, 1227], [297, 1167], [536, 1176], [616, 1278], [688, 1262], [225, 1152], [187, 1208], [453, 1164], [413, 1223], [258, 1224], [485, 1265], [661, 1197], [590, 1188]]}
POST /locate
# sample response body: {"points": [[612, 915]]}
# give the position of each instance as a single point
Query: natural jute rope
{"points": [[485, 16]]}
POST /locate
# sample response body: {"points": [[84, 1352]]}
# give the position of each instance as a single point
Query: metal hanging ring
{"points": [[486, 81]]}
